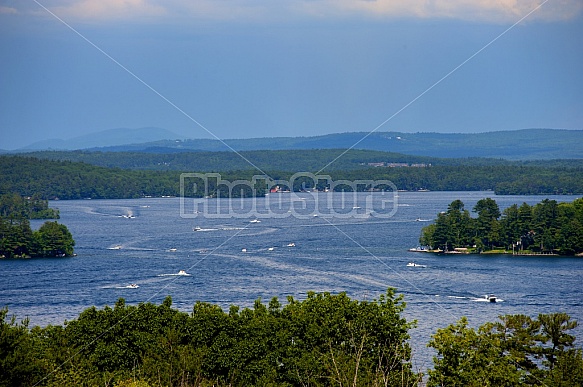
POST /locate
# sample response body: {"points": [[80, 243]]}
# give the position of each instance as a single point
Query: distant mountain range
{"points": [[524, 144], [105, 138]]}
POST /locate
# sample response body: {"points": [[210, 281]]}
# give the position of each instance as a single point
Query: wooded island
{"points": [[545, 228], [18, 240]]}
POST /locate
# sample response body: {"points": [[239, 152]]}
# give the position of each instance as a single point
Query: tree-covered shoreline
{"points": [[547, 227], [30, 207], [18, 240], [65, 180], [323, 340]]}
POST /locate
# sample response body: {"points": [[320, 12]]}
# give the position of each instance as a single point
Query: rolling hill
{"points": [[524, 144]]}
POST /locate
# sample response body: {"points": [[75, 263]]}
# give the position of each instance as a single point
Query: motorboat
{"points": [[132, 286], [413, 264], [172, 249], [291, 244], [418, 249], [490, 297], [255, 221], [271, 249], [243, 250], [196, 228], [116, 247], [182, 272]]}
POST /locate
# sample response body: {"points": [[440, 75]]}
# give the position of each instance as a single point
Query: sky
{"points": [[264, 68]]}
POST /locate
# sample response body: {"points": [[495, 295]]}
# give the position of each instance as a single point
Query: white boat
{"points": [[291, 245], [172, 249], [271, 249], [417, 249], [196, 228], [490, 297], [243, 250], [255, 221], [132, 286], [116, 247], [413, 264], [182, 272]]}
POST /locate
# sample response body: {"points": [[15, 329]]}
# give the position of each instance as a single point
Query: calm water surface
{"points": [[146, 241]]}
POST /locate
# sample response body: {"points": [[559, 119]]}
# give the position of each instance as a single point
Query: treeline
{"points": [[164, 159], [68, 180], [18, 240], [324, 340], [516, 351], [272, 160], [546, 227], [501, 179], [71, 180], [30, 207]]}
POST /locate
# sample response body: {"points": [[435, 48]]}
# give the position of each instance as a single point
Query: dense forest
{"points": [[52, 179], [324, 340], [546, 227], [277, 160], [30, 207], [18, 240]]}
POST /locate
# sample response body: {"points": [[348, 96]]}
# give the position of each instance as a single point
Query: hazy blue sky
{"points": [[256, 68]]}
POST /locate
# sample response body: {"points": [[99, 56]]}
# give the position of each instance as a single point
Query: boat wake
{"points": [[473, 299], [200, 229], [130, 286], [181, 273]]}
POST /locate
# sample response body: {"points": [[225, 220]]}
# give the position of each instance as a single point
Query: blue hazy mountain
{"points": [[524, 144], [105, 138]]}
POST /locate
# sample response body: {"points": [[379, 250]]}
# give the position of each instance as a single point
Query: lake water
{"points": [[147, 241]]}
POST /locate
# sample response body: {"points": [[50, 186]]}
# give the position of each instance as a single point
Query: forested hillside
{"points": [[71, 180], [282, 160]]}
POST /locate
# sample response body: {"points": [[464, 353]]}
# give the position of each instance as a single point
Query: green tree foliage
{"points": [[486, 225], [32, 207], [324, 340], [54, 240], [512, 352], [17, 240], [545, 227], [17, 368], [122, 175]]}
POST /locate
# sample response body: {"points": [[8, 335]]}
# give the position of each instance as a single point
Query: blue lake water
{"points": [[147, 241]]}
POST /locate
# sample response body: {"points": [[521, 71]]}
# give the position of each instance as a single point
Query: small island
{"points": [[18, 240], [547, 228]]}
